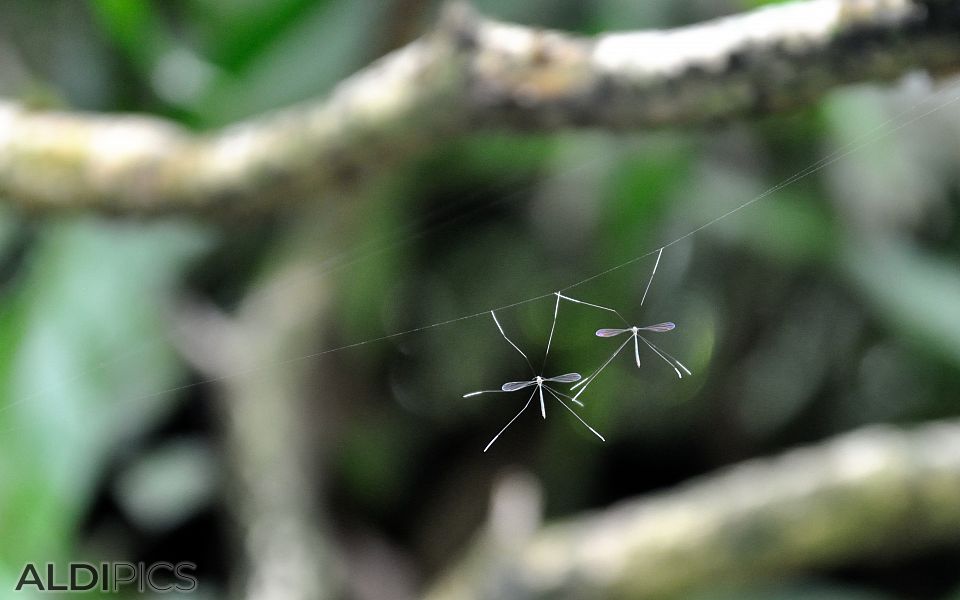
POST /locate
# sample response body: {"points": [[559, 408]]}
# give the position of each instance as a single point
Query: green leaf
{"points": [[84, 362], [134, 27], [917, 294], [313, 54]]}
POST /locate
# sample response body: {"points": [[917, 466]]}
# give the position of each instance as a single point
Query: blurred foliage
{"points": [[84, 369], [831, 303]]}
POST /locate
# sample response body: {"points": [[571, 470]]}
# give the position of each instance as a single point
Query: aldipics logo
{"points": [[109, 577]]}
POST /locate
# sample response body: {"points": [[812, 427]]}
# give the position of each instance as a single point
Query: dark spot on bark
{"points": [[225, 200], [697, 71], [460, 22], [541, 53], [761, 100], [344, 172], [736, 60]]}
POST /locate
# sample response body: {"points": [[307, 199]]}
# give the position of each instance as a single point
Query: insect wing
{"points": [[513, 386], [660, 327], [605, 333], [566, 378]]}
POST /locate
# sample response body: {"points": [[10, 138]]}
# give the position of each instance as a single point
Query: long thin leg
{"points": [[606, 308], [671, 360], [543, 405], [485, 392], [571, 398], [517, 348], [655, 265], [663, 352], [668, 361], [560, 400], [586, 381], [636, 349], [525, 407], [589, 377], [553, 326]]}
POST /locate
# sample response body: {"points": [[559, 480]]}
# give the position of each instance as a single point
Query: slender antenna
{"points": [[595, 432], [655, 265], [517, 348], [553, 326], [525, 407]]}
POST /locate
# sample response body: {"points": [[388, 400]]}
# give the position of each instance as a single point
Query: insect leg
{"points": [[517, 348], [585, 381], [525, 406], [655, 265], [553, 326], [670, 360], [560, 400]]}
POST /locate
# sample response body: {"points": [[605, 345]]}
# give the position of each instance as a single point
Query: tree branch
{"points": [[472, 73], [284, 545], [873, 493]]}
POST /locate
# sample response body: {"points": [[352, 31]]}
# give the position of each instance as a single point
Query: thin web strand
{"points": [[408, 233], [832, 158], [556, 311], [875, 134], [266, 366], [401, 236]]}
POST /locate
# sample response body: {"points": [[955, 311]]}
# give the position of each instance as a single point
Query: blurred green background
{"points": [[833, 303]]}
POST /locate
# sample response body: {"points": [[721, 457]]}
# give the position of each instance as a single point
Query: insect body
{"points": [[637, 337], [539, 383]]}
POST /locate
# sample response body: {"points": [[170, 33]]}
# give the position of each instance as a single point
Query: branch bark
{"points": [[470, 74], [870, 494], [285, 549]]}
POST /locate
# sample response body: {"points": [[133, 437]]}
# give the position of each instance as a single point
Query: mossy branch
{"points": [[867, 495], [471, 74]]}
